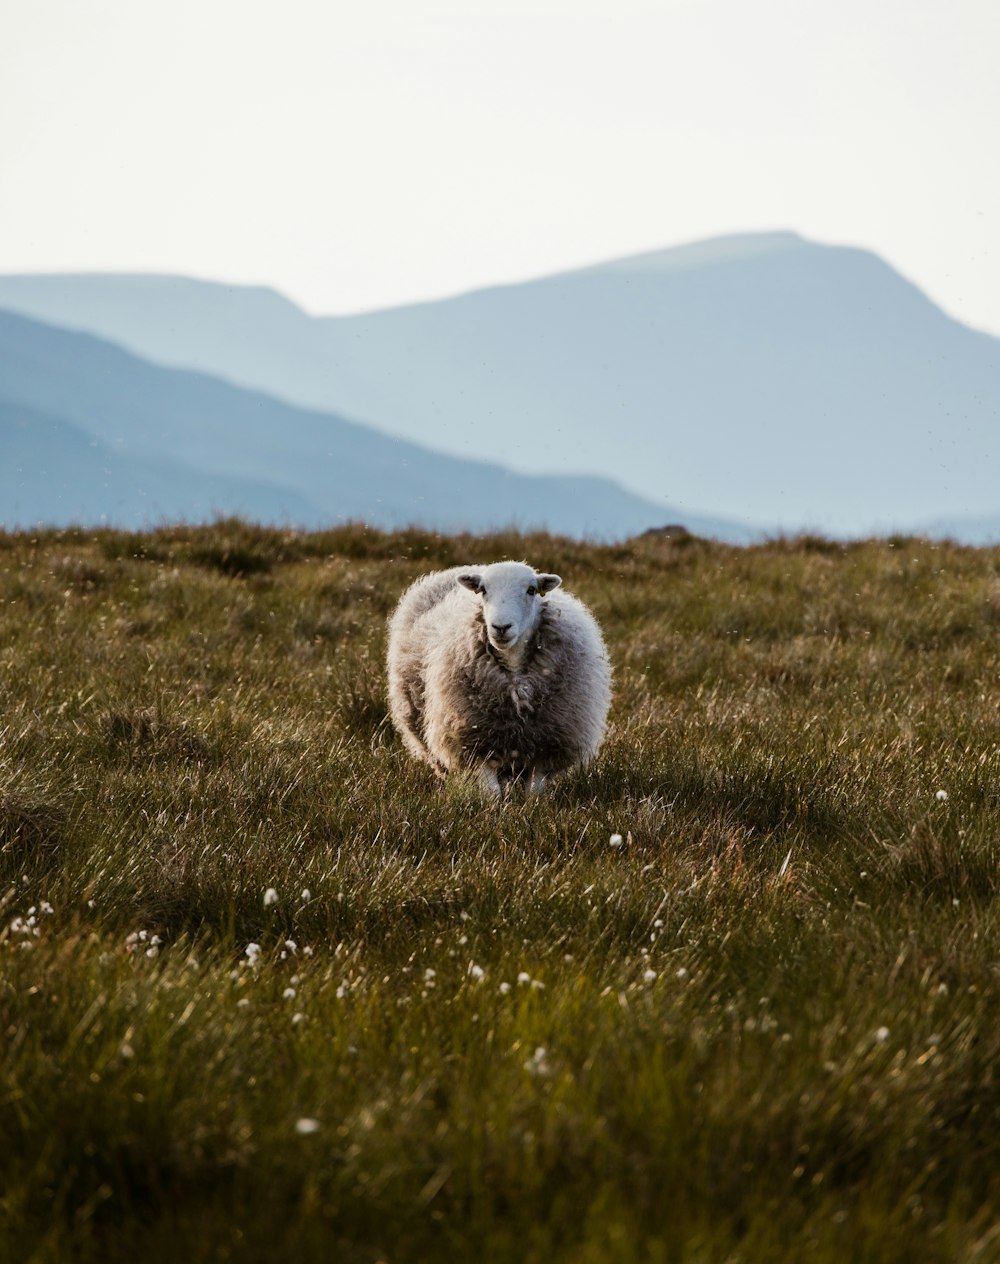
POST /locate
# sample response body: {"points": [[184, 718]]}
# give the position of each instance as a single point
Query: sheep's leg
{"points": [[536, 782], [488, 780]]}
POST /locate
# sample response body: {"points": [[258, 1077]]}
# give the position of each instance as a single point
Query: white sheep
{"points": [[494, 672]]}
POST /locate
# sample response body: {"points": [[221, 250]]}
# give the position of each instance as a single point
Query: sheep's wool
{"points": [[460, 704]]}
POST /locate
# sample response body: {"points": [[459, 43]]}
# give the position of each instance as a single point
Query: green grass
{"points": [[764, 1026]]}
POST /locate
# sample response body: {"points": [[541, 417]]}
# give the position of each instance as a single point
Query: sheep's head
{"points": [[511, 594]]}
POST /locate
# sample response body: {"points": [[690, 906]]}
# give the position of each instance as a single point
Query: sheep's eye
{"points": [[532, 590]]}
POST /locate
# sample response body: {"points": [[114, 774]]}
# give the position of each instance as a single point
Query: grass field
{"points": [[268, 991]]}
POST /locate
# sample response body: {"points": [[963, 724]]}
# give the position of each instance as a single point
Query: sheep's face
{"points": [[511, 595]]}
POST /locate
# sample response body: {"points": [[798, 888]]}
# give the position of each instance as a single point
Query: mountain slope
{"points": [[56, 473], [310, 467], [773, 379]]}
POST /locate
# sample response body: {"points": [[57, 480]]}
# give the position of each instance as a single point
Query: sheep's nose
{"points": [[501, 629]]}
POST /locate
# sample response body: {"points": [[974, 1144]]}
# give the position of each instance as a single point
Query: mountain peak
{"points": [[709, 250]]}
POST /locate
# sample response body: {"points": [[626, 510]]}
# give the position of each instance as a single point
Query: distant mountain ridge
{"points": [[56, 473], [90, 432], [765, 377], [712, 251]]}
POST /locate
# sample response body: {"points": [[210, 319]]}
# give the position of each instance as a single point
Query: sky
{"points": [[362, 155]]}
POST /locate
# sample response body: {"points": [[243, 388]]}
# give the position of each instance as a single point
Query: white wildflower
{"points": [[682, 972], [305, 1126], [504, 989], [537, 1064], [242, 1002], [288, 994], [882, 1035], [475, 972], [941, 796], [298, 1018], [615, 840], [270, 897], [306, 895], [649, 976], [524, 978]]}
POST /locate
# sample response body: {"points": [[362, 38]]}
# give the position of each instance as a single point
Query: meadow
{"points": [[269, 991]]}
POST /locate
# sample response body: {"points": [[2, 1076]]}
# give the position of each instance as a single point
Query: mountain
{"points": [[54, 472], [769, 378], [92, 431]]}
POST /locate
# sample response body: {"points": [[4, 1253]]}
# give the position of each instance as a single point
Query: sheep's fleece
{"points": [[517, 699]]}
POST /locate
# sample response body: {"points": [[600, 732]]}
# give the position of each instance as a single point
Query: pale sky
{"points": [[366, 153]]}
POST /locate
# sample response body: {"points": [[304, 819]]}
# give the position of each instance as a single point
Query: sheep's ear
{"points": [[547, 582], [472, 582]]}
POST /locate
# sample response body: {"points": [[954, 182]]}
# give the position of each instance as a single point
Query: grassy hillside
{"points": [[764, 1023]]}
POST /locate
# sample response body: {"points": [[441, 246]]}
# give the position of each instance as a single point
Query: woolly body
{"points": [[525, 697]]}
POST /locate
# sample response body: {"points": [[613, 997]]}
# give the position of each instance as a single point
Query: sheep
{"points": [[494, 672]]}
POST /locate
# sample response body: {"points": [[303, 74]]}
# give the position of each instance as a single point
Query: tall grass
{"points": [[764, 1024]]}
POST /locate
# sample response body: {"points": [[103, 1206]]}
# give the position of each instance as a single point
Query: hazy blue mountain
{"points": [[191, 445], [762, 377], [55, 473]]}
